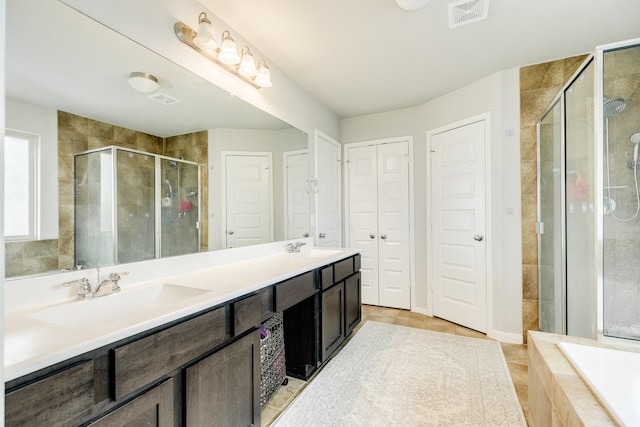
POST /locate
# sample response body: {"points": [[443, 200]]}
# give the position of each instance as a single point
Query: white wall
{"points": [[499, 95], [38, 120]]}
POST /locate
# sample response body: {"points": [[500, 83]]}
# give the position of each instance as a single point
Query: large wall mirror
{"points": [[67, 85]]}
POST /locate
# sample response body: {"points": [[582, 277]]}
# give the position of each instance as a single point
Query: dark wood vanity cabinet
{"points": [[341, 303], [200, 370]]}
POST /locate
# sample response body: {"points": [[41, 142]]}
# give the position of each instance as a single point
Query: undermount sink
{"points": [[317, 253], [115, 308]]}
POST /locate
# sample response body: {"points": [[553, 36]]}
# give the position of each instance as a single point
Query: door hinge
{"points": [[539, 227]]}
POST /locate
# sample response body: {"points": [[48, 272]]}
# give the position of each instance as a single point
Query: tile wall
{"points": [[77, 134]]}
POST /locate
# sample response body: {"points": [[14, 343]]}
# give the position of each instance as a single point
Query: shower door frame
{"points": [[158, 158], [557, 100]]}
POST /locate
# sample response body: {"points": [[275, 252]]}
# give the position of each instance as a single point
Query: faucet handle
{"points": [[84, 287], [114, 278]]}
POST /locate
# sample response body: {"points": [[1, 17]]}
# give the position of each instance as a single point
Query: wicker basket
{"points": [[272, 363]]}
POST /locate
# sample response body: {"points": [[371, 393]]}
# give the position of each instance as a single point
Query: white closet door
{"points": [[458, 216], [296, 194], [363, 213], [328, 196], [248, 200], [393, 225], [379, 221]]}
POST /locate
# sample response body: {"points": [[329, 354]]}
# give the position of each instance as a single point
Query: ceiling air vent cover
{"points": [[467, 11], [163, 98]]}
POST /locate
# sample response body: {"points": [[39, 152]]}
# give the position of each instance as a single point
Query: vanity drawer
{"points": [[266, 297], [62, 399], [247, 313], [145, 360], [292, 291], [342, 269], [326, 277]]}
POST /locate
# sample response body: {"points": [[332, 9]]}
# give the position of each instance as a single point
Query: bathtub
{"points": [[612, 375]]}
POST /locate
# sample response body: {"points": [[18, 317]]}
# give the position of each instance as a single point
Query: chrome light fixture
{"points": [[225, 54], [247, 64], [205, 38], [143, 82]]}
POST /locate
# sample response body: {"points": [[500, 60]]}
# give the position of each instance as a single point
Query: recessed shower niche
{"points": [[134, 206]]}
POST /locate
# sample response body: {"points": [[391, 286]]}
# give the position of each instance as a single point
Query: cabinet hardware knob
{"points": [[478, 237], [230, 232], [372, 236], [383, 236], [322, 235]]}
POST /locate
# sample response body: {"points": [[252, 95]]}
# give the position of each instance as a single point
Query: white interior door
{"points": [[296, 194], [328, 195], [379, 221], [458, 226], [248, 199], [393, 225], [363, 217]]}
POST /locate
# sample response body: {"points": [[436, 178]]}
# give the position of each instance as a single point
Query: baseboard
{"points": [[508, 337]]}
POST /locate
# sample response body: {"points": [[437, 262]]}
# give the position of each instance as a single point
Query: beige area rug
{"points": [[390, 375]]}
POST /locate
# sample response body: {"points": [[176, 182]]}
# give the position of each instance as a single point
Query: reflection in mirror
{"points": [[67, 85]]}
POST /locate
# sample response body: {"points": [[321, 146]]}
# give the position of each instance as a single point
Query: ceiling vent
{"points": [[163, 98], [467, 11]]}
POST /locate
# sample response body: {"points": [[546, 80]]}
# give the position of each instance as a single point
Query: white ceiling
{"points": [[367, 56]]}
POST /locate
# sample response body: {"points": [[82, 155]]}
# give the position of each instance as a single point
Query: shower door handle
{"points": [[230, 232], [478, 237]]}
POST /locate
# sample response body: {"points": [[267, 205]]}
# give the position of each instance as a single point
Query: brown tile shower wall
{"points": [[539, 84], [194, 147], [77, 134]]}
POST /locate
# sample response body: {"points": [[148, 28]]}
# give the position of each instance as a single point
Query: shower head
{"points": [[613, 106], [635, 138], [172, 164]]}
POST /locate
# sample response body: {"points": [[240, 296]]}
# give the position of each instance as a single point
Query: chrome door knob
{"points": [[372, 236], [478, 237], [383, 236]]}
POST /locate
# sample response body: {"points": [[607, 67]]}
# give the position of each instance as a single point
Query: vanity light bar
{"points": [[187, 36]]}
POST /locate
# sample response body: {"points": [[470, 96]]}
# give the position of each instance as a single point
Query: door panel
{"points": [[328, 209], [363, 209], [458, 216], [393, 224], [248, 200], [297, 203]]}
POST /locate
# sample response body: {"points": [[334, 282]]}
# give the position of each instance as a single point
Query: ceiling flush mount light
{"points": [[225, 53], [143, 82], [411, 5]]}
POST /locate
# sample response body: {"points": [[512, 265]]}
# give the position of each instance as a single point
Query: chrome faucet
{"points": [[107, 286], [294, 247]]}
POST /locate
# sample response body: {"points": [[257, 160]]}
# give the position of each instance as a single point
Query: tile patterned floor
{"points": [[515, 355]]}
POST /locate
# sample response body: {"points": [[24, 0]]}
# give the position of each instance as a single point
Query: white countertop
{"points": [[32, 344]]}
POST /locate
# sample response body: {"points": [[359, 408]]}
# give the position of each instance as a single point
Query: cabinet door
{"points": [[224, 388], [333, 332], [352, 305], [62, 399], [152, 408]]}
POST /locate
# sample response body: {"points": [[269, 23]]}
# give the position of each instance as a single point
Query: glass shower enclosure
{"points": [[589, 199], [134, 206]]}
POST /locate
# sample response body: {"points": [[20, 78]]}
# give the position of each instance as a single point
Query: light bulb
{"points": [[228, 52], [205, 38], [263, 79], [247, 66]]}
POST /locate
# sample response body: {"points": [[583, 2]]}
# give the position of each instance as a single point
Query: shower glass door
{"points": [[179, 210], [580, 212], [550, 236]]}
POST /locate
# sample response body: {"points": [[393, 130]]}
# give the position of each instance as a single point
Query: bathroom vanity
{"points": [[186, 362]]}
